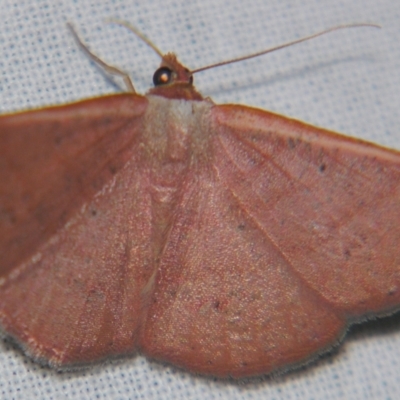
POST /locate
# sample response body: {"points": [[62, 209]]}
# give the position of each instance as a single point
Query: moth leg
{"points": [[138, 34], [106, 67]]}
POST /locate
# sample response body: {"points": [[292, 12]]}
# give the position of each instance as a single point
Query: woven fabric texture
{"points": [[347, 81]]}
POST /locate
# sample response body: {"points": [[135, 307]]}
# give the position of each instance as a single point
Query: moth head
{"points": [[171, 71], [173, 80]]}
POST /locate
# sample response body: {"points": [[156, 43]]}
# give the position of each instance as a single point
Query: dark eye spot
{"points": [[162, 76], [322, 167], [291, 143]]}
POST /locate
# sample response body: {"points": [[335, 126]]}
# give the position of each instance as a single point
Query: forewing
{"points": [[329, 204], [74, 228], [53, 160]]}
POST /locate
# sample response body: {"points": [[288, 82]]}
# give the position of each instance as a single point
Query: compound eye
{"points": [[162, 76]]}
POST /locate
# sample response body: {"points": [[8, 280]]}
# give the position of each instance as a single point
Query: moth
{"points": [[227, 240]]}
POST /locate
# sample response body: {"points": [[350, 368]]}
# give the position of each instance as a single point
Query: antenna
{"points": [[281, 46]]}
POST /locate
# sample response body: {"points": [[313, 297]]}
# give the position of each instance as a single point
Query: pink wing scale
{"points": [[225, 301], [85, 283], [241, 248], [333, 214], [48, 167]]}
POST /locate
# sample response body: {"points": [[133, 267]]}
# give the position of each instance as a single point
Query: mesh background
{"points": [[347, 81]]}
